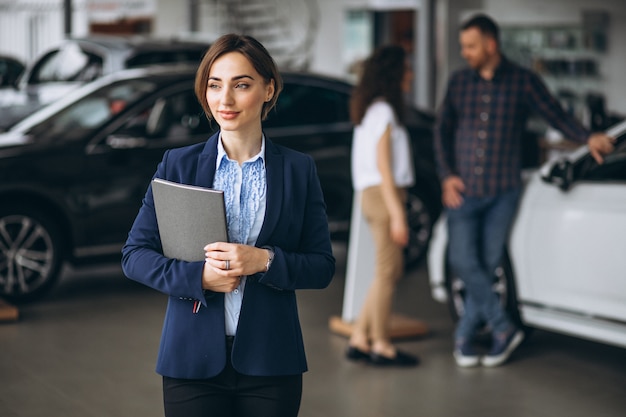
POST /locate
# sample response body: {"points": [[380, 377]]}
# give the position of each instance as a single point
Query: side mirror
{"points": [[561, 173]]}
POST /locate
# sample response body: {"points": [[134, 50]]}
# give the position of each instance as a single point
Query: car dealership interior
{"points": [[88, 106]]}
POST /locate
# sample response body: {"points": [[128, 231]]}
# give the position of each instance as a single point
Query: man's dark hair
{"points": [[485, 24]]}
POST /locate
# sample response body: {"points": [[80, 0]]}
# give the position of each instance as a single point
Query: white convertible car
{"points": [[565, 267]]}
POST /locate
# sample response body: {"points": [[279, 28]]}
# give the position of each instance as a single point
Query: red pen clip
{"points": [[196, 306]]}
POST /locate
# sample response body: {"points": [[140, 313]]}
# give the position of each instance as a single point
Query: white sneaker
{"points": [[503, 346], [465, 355]]}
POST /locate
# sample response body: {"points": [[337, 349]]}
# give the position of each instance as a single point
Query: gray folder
{"points": [[189, 217]]}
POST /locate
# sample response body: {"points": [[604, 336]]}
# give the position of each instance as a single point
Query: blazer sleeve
{"points": [[303, 256], [142, 254]]}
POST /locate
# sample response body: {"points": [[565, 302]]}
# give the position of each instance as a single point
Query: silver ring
{"points": [[227, 264]]}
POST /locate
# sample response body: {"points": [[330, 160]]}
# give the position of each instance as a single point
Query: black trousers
{"points": [[231, 394]]}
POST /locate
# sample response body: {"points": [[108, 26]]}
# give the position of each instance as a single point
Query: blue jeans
{"points": [[477, 234]]}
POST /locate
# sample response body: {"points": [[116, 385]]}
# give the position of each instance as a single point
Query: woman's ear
{"points": [[270, 91]]}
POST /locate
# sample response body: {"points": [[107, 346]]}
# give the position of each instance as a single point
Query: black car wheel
{"points": [[503, 286], [31, 254], [421, 217]]}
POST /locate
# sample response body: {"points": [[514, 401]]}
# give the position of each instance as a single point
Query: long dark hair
{"points": [[256, 53], [381, 77]]}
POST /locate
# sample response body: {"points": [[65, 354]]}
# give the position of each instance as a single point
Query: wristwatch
{"points": [[270, 258]]}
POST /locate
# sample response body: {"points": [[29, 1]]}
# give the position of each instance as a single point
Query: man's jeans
{"points": [[478, 232]]}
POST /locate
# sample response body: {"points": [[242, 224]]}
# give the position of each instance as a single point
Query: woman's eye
{"points": [[213, 86], [243, 85]]}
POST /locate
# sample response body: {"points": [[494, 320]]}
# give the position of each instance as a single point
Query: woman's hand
{"points": [[399, 230], [226, 263], [213, 281]]}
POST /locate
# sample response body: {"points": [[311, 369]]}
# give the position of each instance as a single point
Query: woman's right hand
{"points": [[216, 282]]}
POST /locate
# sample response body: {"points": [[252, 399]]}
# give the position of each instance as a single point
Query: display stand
{"points": [[8, 312], [359, 275]]}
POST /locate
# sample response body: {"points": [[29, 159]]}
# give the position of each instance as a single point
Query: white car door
{"points": [[568, 247]]}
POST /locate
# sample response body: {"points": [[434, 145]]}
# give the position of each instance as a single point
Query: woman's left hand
{"points": [[233, 259]]}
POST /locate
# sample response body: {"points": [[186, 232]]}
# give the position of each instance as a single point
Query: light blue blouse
{"points": [[245, 198]]}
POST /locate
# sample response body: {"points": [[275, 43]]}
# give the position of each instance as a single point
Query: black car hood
{"points": [[13, 139]]}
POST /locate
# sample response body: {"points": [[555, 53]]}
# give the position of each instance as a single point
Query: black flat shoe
{"points": [[401, 359], [356, 354]]}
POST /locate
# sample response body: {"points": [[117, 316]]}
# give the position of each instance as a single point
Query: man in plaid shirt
{"points": [[478, 140]]}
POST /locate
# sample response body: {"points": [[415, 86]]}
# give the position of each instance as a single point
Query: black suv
{"points": [[73, 174], [79, 60]]}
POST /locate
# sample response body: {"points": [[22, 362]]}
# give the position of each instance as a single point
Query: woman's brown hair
{"points": [[254, 51], [381, 77]]}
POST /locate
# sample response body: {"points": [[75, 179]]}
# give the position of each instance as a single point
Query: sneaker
{"points": [[465, 355], [503, 345]]}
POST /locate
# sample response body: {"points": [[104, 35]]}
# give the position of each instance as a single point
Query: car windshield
{"points": [[69, 63], [91, 111]]}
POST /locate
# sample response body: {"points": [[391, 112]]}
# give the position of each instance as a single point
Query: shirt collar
{"points": [[501, 69], [221, 152], [499, 72]]}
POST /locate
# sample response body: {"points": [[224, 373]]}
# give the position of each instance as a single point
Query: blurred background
{"points": [[87, 109], [574, 44]]}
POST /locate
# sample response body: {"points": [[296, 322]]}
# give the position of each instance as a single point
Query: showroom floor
{"points": [[89, 349]]}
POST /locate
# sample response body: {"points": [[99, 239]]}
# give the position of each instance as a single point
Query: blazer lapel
{"points": [[274, 170], [205, 172]]}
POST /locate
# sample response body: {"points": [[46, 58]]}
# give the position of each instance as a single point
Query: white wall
{"points": [[328, 48], [171, 18]]}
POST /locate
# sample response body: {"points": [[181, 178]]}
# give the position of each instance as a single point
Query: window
{"points": [[91, 112], [165, 57], [70, 63], [613, 168], [174, 118], [10, 71], [300, 105]]}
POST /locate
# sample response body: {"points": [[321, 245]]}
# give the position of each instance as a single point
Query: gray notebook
{"points": [[189, 217]]}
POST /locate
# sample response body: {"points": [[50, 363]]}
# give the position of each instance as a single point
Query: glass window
{"points": [[174, 118], [308, 105], [10, 70], [70, 63], [613, 168], [164, 57], [91, 112]]}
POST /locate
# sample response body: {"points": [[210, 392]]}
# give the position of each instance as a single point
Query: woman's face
{"points": [[236, 93]]}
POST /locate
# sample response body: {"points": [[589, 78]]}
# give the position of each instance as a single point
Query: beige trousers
{"points": [[374, 319]]}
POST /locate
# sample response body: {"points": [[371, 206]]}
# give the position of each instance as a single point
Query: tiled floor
{"points": [[89, 350]]}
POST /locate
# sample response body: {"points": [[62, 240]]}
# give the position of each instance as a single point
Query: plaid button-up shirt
{"points": [[480, 126]]}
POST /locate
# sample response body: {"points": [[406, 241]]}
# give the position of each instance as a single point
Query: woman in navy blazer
{"points": [[231, 343]]}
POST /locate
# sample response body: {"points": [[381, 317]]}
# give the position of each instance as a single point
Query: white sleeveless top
{"points": [[365, 172]]}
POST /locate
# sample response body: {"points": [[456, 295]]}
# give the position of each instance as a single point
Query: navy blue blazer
{"points": [[269, 337]]}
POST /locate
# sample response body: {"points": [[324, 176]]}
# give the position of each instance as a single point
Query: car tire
{"points": [[31, 253], [421, 217], [504, 286]]}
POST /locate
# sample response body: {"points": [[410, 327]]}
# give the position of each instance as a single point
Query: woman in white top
{"points": [[381, 171]]}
